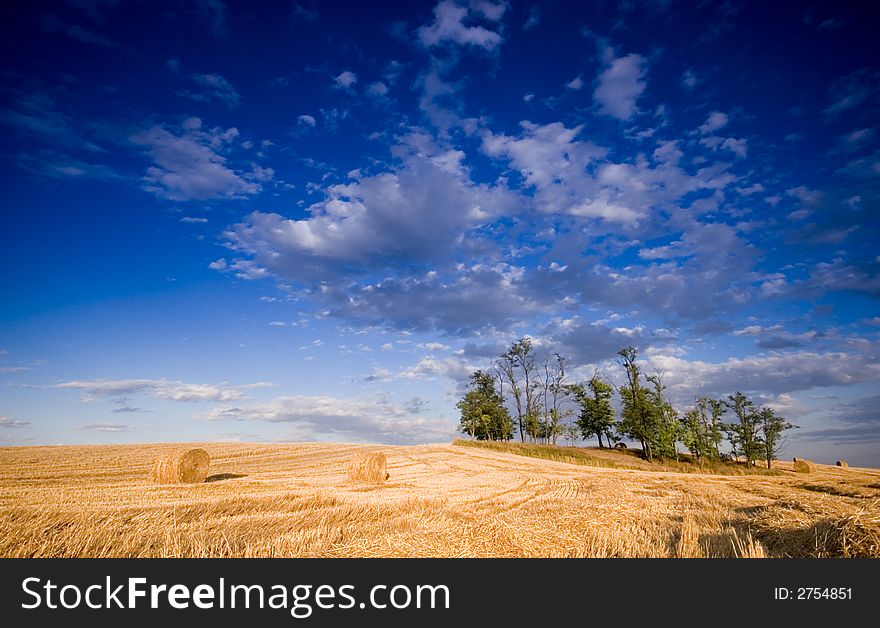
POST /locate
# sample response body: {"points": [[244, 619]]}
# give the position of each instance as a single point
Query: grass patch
{"points": [[557, 453], [613, 459]]}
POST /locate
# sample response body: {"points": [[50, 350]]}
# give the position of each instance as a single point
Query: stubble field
{"points": [[440, 500]]}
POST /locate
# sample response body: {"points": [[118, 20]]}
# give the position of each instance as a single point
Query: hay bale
{"points": [[182, 467], [842, 463], [803, 466], [368, 467], [620, 446]]}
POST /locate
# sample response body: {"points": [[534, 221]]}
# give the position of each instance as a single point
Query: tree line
{"points": [[536, 400]]}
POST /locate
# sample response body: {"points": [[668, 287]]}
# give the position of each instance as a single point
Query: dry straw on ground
{"points": [[804, 466], [294, 500], [182, 467], [368, 467]]}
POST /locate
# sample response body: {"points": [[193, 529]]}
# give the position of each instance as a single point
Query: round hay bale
{"points": [[842, 463], [368, 467], [620, 446], [803, 466], [182, 467]]}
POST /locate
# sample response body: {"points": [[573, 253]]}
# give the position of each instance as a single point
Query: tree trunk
{"points": [[599, 435]]}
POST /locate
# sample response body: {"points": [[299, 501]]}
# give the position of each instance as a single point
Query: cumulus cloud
{"points": [[449, 24], [377, 89], [345, 79], [571, 176], [417, 213], [620, 85], [716, 120], [775, 373], [189, 164], [159, 388], [374, 419]]}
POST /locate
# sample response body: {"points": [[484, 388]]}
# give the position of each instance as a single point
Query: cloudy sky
{"points": [[312, 221]]}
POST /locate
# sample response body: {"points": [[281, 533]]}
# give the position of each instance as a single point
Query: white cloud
{"points": [[107, 427], [738, 147], [189, 166], [5, 421], [716, 120], [191, 220], [159, 388], [570, 177], [620, 85], [689, 80], [429, 367], [377, 89], [776, 373], [576, 83], [448, 25], [417, 212], [345, 79], [306, 119]]}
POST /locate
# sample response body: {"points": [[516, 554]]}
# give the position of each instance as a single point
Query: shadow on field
{"points": [[219, 477], [853, 536]]}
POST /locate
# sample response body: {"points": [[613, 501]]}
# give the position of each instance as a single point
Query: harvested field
{"points": [[440, 500]]}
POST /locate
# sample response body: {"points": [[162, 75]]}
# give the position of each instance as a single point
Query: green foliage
{"points": [[743, 434], [636, 415], [663, 430], [517, 367], [700, 429], [772, 438], [596, 413], [483, 415]]}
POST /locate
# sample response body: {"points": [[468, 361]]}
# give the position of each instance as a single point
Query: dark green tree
{"points": [[596, 413], [664, 425], [772, 438], [483, 415], [743, 433], [636, 416], [700, 429]]}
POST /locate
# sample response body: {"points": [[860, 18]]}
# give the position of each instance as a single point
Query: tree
{"points": [[700, 429], [596, 413], [554, 392], [483, 415], [743, 435], [520, 358], [664, 425], [772, 438], [636, 418]]}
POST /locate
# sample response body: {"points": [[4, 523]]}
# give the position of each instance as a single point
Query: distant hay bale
{"points": [[620, 446], [803, 466], [842, 463], [182, 467], [368, 467]]}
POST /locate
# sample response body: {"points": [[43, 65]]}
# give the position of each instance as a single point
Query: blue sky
{"points": [[229, 221]]}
